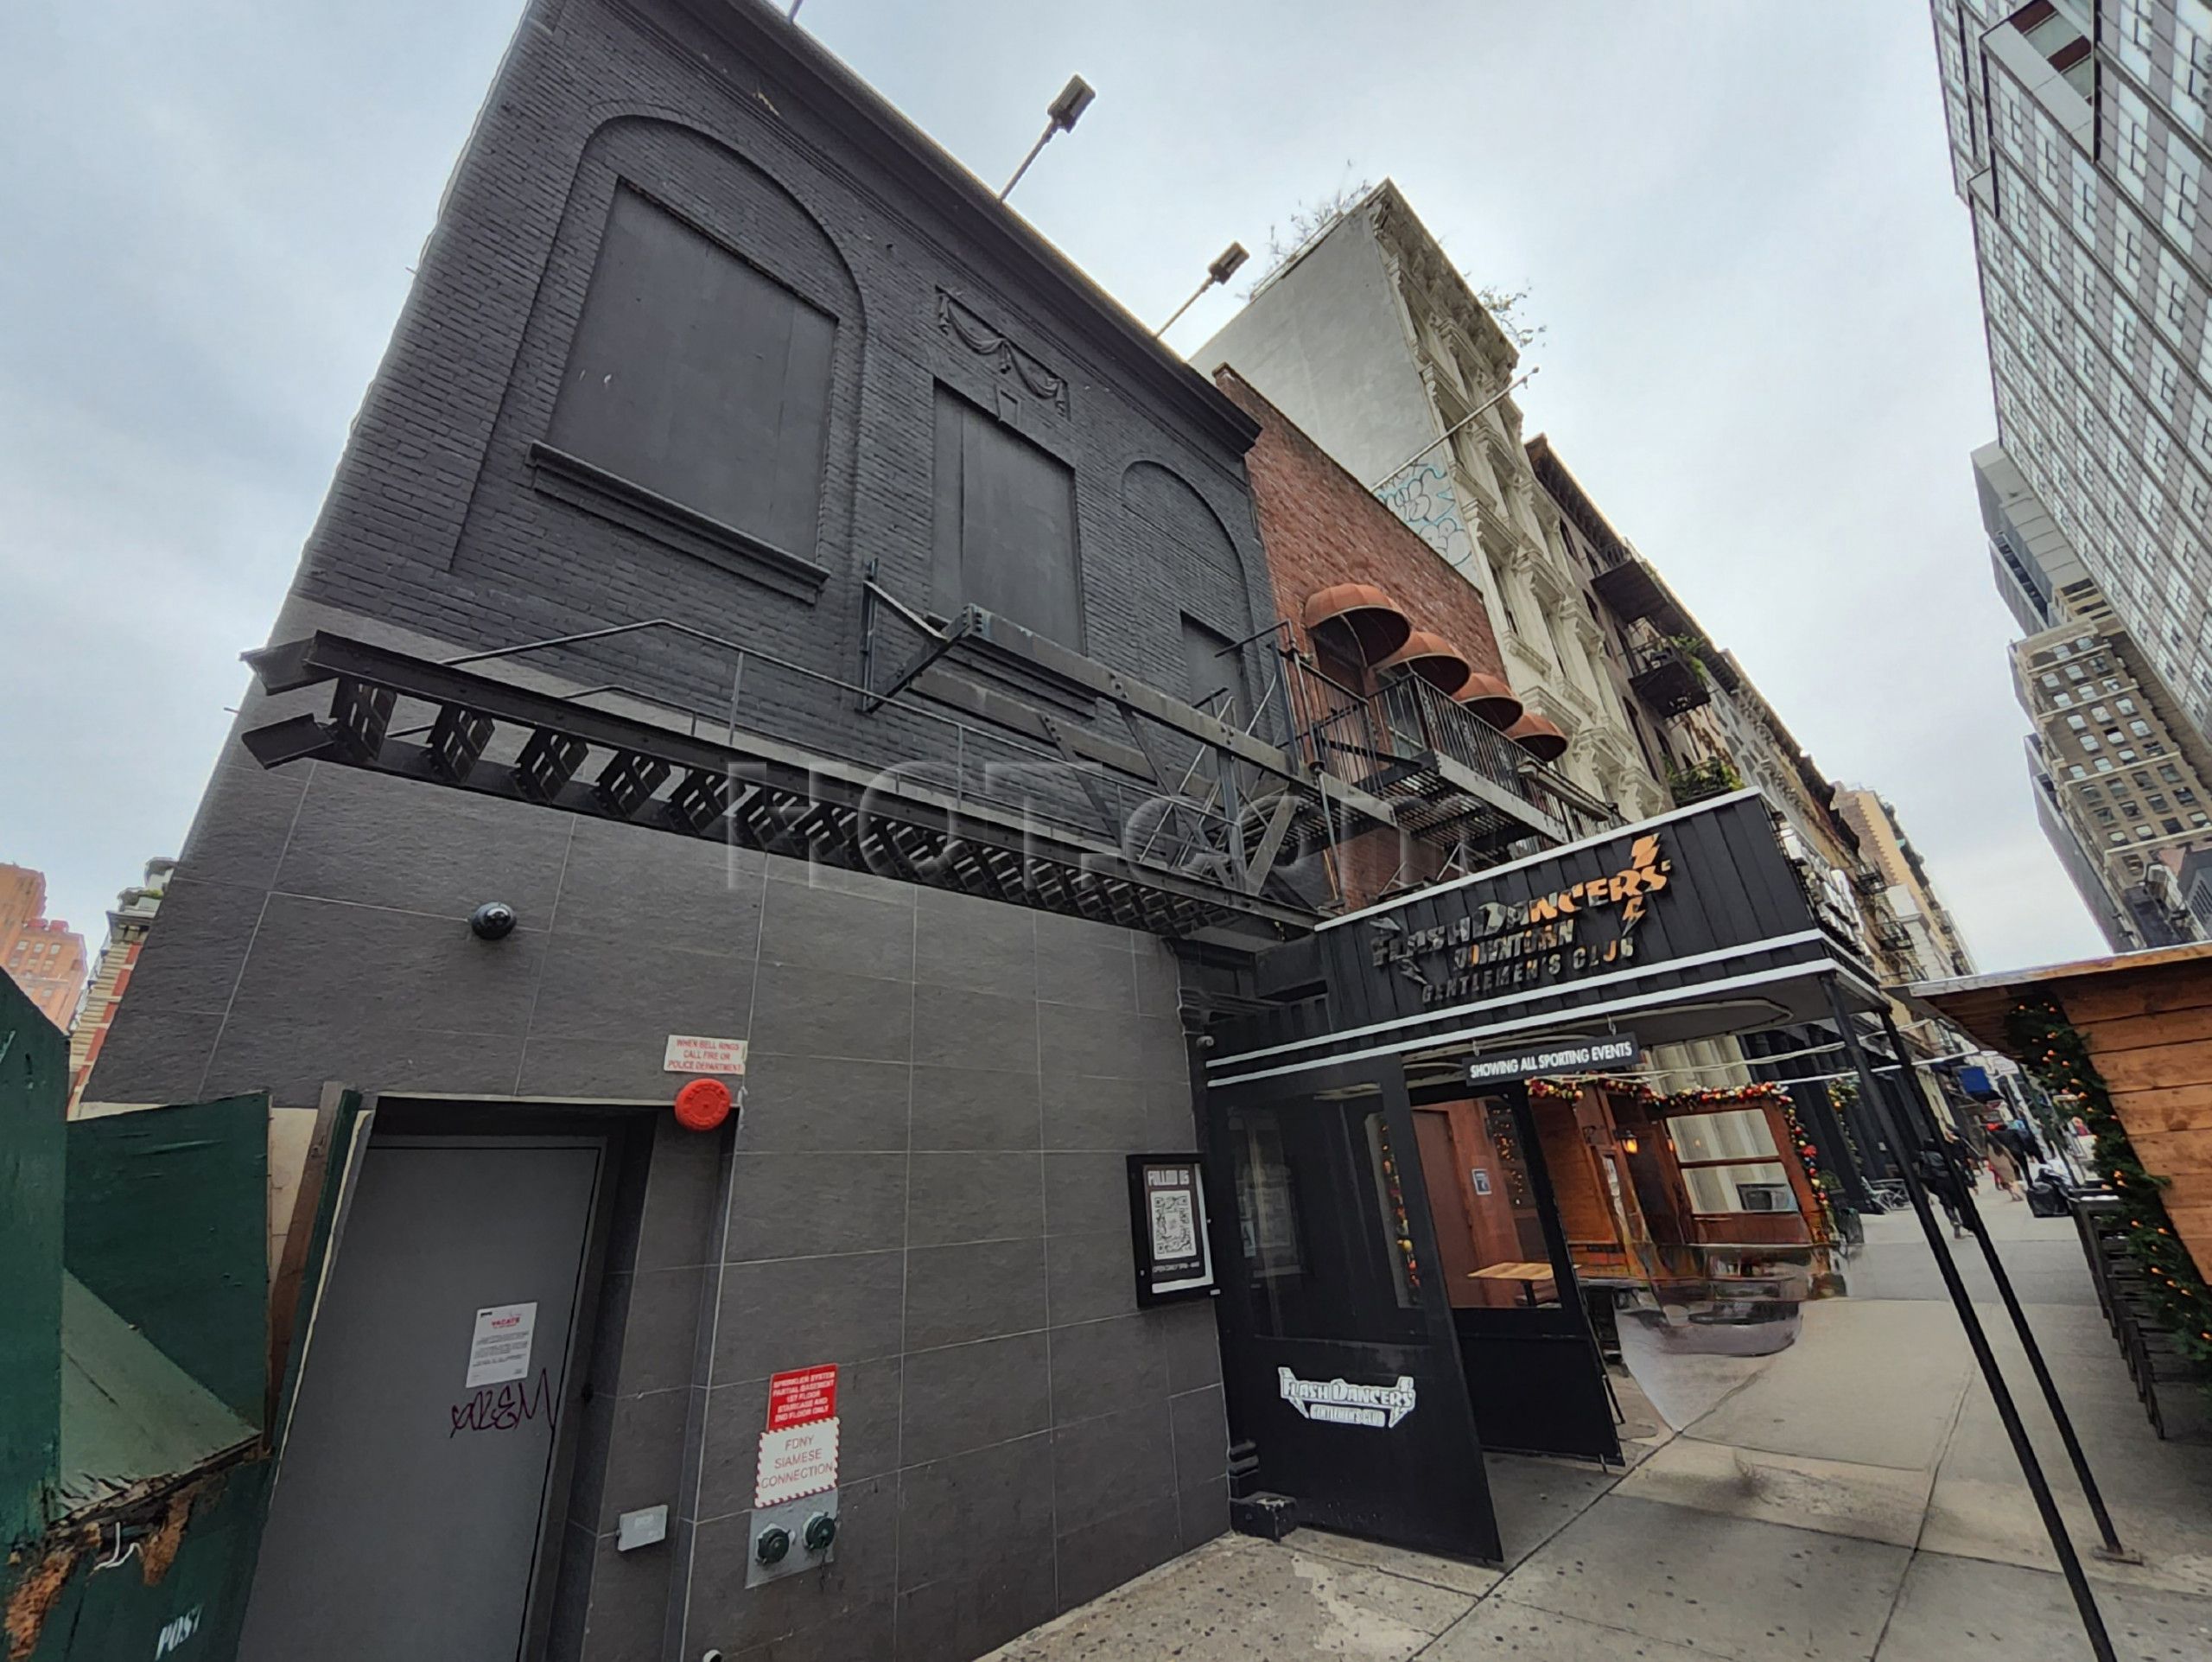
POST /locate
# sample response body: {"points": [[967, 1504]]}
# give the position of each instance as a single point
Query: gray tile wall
{"points": [[926, 1186], [1032, 1438]]}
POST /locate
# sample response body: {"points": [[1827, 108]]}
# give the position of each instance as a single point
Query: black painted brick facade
{"points": [[1022, 1436], [433, 523]]}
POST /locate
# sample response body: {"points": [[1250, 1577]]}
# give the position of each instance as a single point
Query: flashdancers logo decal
{"points": [[1344, 1404]]}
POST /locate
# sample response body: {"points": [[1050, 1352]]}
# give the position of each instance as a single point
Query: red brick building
{"points": [[1322, 527], [23, 897], [43, 957], [127, 929], [1351, 579]]}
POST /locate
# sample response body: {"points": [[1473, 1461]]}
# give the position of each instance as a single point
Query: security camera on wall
{"points": [[494, 920]]}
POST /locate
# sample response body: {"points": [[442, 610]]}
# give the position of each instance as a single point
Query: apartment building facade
{"points": [[127, 927], [1385, 659], [1372, 341], [2080, 140], [2122, 777], [42, 955], [1937, 950]]}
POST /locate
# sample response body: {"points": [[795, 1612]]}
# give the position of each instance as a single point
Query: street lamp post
{"points": [[1060, 117], [1223, 268]]}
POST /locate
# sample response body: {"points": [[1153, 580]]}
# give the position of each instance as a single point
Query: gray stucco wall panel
{"points": [[874, 1101], [1091, 1276], [969, 1396], [347, 844], [1325, 342]]}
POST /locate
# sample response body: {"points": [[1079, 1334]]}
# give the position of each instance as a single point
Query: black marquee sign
{"points": [[1688, 925], [1498, 946]]}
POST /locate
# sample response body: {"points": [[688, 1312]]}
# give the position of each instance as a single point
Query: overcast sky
{"points": [[1763, 351]]}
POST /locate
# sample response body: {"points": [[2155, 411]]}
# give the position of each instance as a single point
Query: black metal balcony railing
{"points": [[1669, 680], [1387, 740], [1716, 776], [1422, 718]]}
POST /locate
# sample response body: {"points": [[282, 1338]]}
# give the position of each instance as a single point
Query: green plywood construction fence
{"points": [[167, 1226], [33, 1088], [176, 1586], [134, 1351]]}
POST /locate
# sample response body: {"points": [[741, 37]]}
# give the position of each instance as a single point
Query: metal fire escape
{"points": [[397, 714], [1004, 765]]}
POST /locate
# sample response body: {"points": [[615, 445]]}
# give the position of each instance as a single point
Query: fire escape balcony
{"points": [[1631, 589], [1715, 776], [1451, 777], [1075, 829], [1669, 680]]}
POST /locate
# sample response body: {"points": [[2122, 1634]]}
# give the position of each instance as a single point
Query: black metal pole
{"points": [[2077, 1580], [1972, 1213]]}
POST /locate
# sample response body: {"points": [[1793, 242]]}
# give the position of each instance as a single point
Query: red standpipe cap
{"points": [[702, 1104]]}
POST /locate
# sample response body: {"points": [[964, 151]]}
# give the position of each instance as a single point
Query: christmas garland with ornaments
{"points": [[1679, 1102], [2050, 1047]]}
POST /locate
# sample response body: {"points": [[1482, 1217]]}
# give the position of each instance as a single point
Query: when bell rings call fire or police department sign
{"points": [[1341, 1403], [688, 1053], [1614, 1050]]}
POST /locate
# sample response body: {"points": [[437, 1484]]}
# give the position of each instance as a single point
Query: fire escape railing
{"points": [[393, 713], [1389, 740]]}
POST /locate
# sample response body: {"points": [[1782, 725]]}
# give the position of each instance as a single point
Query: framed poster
{"points": [[1167, 1217]]}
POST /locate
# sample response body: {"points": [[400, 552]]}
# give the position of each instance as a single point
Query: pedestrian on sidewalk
{"points": [[2005, 1169], [1944, 1170]]}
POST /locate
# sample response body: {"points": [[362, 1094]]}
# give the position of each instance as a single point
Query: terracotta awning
{"points": [[1538, 737], [1491, 699], [1433, 658], [1360, 614]]}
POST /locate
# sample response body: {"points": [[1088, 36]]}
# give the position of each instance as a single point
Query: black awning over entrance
{"points": [[1351, 1135], [1685, 927]]}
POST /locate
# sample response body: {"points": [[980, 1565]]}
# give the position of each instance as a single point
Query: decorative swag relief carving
{"points": [[979, 338]]}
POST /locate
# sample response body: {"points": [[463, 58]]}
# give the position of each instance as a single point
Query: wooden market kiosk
{"points": [[1398, 1289], [2143, 1021]]}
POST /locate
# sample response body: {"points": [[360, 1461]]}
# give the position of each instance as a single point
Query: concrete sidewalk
{"points": [[1853, 1497]]}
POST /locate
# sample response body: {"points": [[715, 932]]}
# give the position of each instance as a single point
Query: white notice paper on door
{"points": [[500, 1350]]}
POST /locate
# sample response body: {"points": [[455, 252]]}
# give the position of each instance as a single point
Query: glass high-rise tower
{"points": [[2081, 142]]}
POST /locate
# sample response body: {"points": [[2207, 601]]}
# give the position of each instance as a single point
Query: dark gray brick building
{"points": [[707, 332]]}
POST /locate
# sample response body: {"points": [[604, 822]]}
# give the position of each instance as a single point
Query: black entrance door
{"points": [[1342, 1363]]}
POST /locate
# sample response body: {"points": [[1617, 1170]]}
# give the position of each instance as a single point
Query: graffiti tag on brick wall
{"points": [[1423, 497]]}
